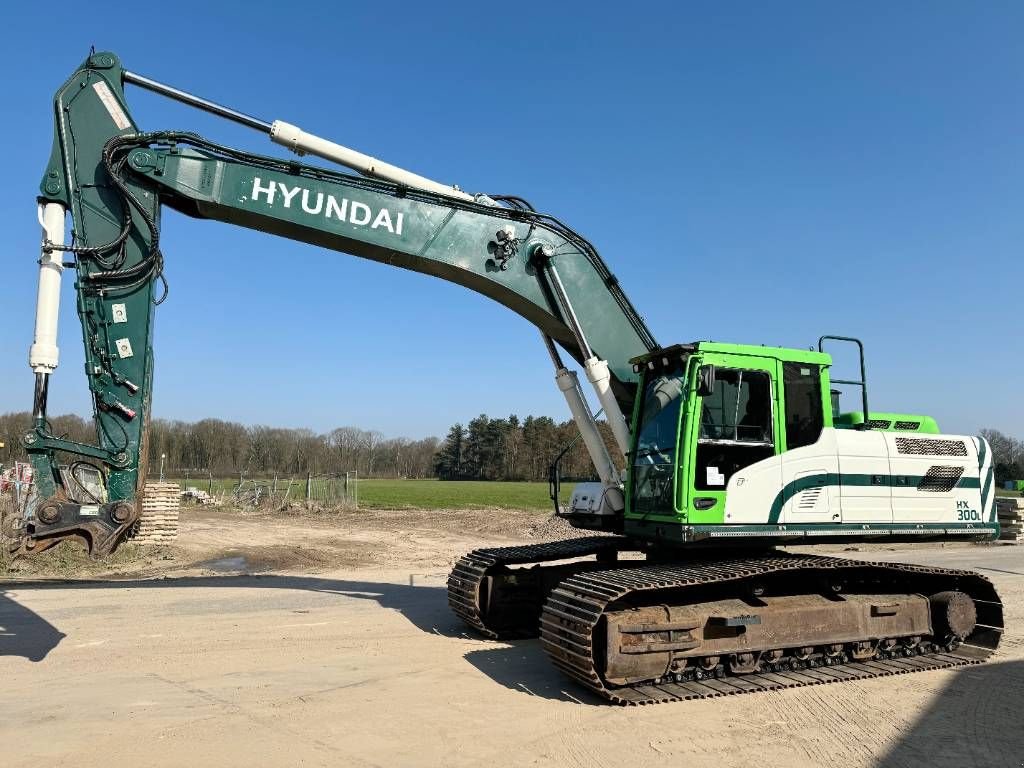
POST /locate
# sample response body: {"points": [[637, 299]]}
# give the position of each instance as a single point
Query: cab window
{"points": [[740, 408], [805, 416], [654, 459], [735, 427]]}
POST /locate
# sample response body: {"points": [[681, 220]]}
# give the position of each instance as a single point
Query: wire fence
{"points": [[340, 490], [15, 488]]}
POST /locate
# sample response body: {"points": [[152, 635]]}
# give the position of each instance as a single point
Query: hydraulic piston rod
{"points": [[195, 101], [569, 385], [597, 369]]}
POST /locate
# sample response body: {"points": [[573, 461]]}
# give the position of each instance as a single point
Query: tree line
{"points": [[510, 449], [1007, 455], [224, 448], [485, 449]]}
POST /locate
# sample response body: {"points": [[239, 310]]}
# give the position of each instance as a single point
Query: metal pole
{"points": [[39, 398], [195, 101], [570, 313], [556, 358], [597, 369]]}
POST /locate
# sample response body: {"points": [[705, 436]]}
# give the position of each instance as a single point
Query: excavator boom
{"points": [[115, 180]]}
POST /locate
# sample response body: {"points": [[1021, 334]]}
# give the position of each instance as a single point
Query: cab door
{"points": [[730, 430], [810, 465]]}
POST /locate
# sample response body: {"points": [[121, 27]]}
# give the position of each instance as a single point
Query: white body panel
{"points": [[596, 499], [986, 468], [750, 491], [864, 453], [912, 505], [890, 477], [819, 503]]}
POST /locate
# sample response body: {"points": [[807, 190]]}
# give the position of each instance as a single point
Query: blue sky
{"points": [[752, 172]]}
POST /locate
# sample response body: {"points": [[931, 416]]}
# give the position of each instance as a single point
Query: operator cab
{"points": [[708, 410]]}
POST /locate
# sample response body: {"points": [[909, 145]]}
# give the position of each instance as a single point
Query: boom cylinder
{"points": [[300, 142], [597, 369], [570, 386], [600, 378]]}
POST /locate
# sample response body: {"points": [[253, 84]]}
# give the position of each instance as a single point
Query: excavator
{"points": [[682, 583]]}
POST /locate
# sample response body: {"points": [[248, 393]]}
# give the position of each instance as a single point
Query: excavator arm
{"points": [[115, 180]]}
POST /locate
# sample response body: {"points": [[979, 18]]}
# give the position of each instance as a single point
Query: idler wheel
{"points": [[48, 514], [121, 513], [953, 613]]}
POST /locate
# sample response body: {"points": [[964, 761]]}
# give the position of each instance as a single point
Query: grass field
{"points": [[431, 494], [438, 494], [418, 494]]}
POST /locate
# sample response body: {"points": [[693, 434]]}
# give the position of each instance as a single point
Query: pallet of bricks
{"points": [[161, 503], [1011, 519]]}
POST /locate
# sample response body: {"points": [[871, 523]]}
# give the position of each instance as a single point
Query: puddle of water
{"points": [[226, 564]]}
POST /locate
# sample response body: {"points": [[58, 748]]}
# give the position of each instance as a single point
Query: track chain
{"points": [[575, 606]]}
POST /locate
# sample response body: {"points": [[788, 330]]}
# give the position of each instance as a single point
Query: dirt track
{"points": [[354, 665]]}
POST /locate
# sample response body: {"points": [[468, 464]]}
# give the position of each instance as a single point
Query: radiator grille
{"points": [[930, 446], [940, 479], [809, 498]]}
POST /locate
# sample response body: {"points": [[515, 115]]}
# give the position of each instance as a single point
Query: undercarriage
{"points": [[684, 625]]}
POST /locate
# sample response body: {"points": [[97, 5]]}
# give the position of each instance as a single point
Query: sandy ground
{"points": [[338, 648]]}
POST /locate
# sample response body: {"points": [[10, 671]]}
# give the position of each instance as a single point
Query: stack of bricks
{"points": [[1011, 518], [161, 503]]}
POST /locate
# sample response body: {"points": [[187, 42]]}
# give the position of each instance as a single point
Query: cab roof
{"points": [[785, 354]]}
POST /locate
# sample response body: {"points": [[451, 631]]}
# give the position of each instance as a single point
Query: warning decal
{"points": [[113, 108]]}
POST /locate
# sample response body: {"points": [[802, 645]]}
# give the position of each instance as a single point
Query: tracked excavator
{"points": [[680, 585]]}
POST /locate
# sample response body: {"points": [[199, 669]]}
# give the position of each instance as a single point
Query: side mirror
{"points": [[706, 381]]}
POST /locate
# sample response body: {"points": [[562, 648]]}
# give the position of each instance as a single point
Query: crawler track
{"points": [[465, 583], [573, 609]]}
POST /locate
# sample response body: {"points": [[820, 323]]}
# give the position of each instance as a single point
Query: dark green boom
{"points": [[115, 180]]}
